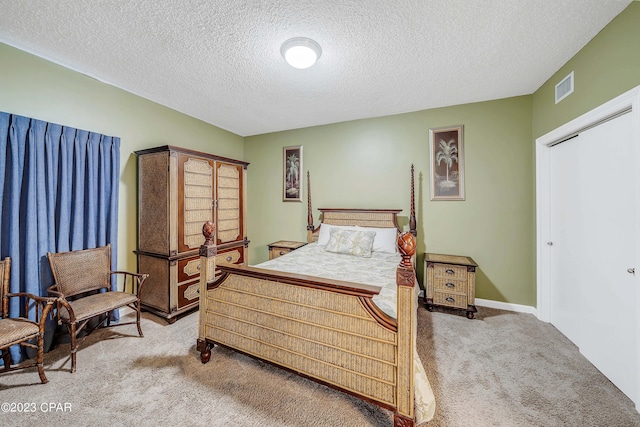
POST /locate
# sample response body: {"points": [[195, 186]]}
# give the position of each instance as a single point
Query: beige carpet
{"points": [[502, 369]]}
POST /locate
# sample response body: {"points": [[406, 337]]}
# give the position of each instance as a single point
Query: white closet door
{"points": [[593, 227], [566, 234], [607, 295]]}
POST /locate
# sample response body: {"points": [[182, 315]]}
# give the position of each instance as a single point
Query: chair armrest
{"points": [[43, 305], [129, 273], [45, 300], [61, 300], [136, 280], [54, 291]]}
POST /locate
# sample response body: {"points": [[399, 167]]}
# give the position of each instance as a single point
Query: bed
{"points": [[345, 318]]}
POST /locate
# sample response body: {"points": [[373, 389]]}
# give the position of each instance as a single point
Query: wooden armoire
{"points": [[178, 191]]}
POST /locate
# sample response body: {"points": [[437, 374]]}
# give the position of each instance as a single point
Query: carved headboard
{"points": [[379, 218]]}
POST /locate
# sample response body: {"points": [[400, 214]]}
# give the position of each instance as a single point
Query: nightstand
{"points": [[450, 282], [283, 247]]}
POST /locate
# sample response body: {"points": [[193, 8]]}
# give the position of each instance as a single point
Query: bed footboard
{"points": [[326, 330]]}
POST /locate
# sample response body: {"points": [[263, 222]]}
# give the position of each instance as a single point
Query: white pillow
{"points": [[386, 239], [325, 231], [350, 242]]}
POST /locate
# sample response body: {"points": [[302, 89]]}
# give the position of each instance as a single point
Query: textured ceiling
{"points": [[219, 61]]}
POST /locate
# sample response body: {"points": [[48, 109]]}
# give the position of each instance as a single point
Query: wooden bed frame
{"points": [[325, 330]]}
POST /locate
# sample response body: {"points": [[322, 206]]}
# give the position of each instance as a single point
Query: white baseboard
{"points": [[518, 308], [507, 306]]}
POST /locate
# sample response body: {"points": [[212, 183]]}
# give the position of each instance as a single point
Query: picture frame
{"points": [[446, 148], [292, 175]]}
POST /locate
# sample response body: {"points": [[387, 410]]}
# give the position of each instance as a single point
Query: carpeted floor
{"points": [[501, 369], [509, 369]]}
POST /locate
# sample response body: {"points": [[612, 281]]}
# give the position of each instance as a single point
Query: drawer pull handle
{"points": [[282, 252], [198, 267], [449, 271], [450, 285], [449, 299], [229, 258]]}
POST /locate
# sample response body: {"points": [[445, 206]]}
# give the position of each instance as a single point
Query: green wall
{"points": [[609, 65], [366, 164], [33, 87]]}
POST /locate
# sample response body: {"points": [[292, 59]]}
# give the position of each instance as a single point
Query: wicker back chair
{"points": [[83, 286], [18, 330]]}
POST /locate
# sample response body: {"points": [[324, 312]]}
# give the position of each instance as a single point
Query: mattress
{"points": [[313, 260]]}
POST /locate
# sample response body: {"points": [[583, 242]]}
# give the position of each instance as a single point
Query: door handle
{"points": [[631, 270]]}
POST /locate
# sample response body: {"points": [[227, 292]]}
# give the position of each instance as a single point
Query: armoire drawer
{"points": [[188, 294], [230, 256], [188, 269]]}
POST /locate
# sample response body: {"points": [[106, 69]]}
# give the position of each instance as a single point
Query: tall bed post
{"points": [[412, 216], [207, 253], [309, 211], [404, 415], [407, 321]]}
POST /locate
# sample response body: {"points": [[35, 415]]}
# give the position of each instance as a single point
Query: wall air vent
{"points": [[564, 88]]}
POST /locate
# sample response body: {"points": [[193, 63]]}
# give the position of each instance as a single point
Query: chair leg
{"points": [[6, 357], [40, 356], [138, 319], [72, 336]]}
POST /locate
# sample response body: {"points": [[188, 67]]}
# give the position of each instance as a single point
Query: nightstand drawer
{"points": [[283, 247], [450, 299], [277, 252], [450, 285], [448, 271]]}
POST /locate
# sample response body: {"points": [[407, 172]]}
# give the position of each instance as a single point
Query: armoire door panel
{"points": [[153, 203], [229, 192], [195, 199]]}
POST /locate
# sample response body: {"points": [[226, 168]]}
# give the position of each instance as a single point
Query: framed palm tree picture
{"points": [[292, 174], [447, 163]]}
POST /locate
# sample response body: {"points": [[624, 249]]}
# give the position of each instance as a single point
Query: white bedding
{"points": [[379, 270], [312, 260]]}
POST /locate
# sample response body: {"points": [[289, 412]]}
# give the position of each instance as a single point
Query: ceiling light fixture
{"points": [[301, 52]]}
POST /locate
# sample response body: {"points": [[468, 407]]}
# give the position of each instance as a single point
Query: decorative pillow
{"points": [[386, 239], [352, 242], [325, 232]]}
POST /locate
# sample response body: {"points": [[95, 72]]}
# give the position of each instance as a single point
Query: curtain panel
{"points": [[58, 193]]}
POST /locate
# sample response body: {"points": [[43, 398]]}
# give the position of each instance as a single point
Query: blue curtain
{"points": [[58, 193]]}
